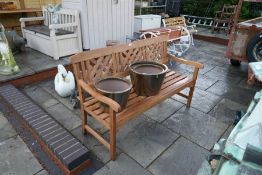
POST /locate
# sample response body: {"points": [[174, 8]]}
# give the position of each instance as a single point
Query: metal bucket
{"points": [[147, 77], [115, 88]]}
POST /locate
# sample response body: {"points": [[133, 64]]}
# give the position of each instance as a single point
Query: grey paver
{"points": [[163, 110], [31, 61], [42, 172], [64, 116], [220, 88], [240, 95], [144, 139], [40, 96], [6, 130], [24, 70], [228, 131], [123, 165], [196, 126], [224, 74], [16, 158], [204, 82], [225, 110], [49, 87], [243, 83], [202, 100], [182, 158]]}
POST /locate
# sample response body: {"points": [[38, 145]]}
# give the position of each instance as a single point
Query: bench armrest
{"points": [[111, 103], [187, 62], [31, 19], [57, 26]]}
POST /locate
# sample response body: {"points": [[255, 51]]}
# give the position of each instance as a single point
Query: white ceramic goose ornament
{"points": [[64, 82]]}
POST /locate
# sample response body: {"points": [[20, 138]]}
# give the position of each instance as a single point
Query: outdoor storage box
{"points": [[143, 22]]}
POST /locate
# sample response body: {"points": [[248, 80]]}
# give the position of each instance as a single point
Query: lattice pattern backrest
{"points": [[149, 49], [93, 65], [113, 61]]}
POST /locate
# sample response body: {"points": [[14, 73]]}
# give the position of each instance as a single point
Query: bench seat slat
{"points": [[173, 83]]}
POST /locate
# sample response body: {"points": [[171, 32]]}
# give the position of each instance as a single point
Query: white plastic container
{"points": [[144, 22]]}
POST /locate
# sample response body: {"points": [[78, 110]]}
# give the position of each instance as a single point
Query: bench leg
{"points": [[190, 96], [83, 112], [112, 135], [84, 121]]}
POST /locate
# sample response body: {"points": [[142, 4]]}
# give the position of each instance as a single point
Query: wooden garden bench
{"points": [[92, 65]]}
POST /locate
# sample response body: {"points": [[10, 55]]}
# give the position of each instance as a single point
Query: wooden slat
{"points": [[171, 84], [135, 100], [172, 81], [94, 106], [90, 102], [99, 110]]}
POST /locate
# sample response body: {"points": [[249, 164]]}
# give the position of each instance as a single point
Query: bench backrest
{"points": [[62, 16], [93, 65], [175, 21]]}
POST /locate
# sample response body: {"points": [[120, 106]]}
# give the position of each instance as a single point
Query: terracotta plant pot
{"points": [[147, 77], [117, 89]]}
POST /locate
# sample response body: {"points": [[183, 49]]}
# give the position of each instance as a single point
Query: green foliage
{"points": [[209, 7]]}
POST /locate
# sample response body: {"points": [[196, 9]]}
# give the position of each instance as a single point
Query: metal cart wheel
{"points": [[180, 45], [254, 49], [235, 62], [146, 35]]}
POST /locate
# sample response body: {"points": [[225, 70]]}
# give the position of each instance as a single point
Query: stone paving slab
{"points": [[6, 129], [182, 158], [220, 88], [164, 110], [43, 172], [50, 88], [240, 95], [31, 58], [202, 100], [204, 82], [24, 70], [224, 74], [123, 165], [225, 110], [40, 96], [144, 140], [16, 158], [196, 126], [31, 61], [243, 84], [64, 116], [228, 131]]}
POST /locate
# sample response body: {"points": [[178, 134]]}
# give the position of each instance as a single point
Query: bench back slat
{"points": [[63, 16], [93, 65], [175, 21]]}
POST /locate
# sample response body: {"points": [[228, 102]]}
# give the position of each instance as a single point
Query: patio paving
{"points": [[169, 138], [31, 61]]}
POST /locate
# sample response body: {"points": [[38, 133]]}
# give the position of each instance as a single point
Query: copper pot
{"points": [[117, 89], [147, 77]]}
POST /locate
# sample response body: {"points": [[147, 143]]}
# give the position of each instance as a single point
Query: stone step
{"points": [[67, 149]]}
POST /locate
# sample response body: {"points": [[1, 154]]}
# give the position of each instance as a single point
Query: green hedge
{"points": [[200, 8]]}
